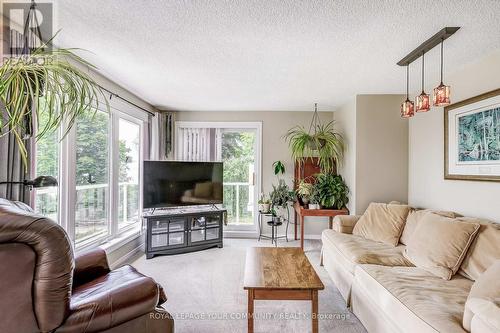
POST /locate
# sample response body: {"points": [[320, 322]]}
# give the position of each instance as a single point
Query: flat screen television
{"points": [[173, 184]]}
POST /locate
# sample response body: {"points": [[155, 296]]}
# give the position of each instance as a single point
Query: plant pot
{"points": [[305, 201], [314, 146], [264, 208], [314, 206]]}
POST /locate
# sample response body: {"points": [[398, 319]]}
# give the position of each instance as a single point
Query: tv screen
{"points": [[171, 184]]}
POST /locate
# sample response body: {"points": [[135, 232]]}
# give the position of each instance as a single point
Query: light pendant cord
{"points": [[423, 70], [407, 82], [441, 61]]}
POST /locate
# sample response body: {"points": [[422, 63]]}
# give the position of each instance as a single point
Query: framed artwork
{"points": [[472, 138]]}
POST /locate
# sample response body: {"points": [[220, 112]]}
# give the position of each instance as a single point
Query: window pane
{"points": [[92, 177], [238, 154], [47, 164], [129, 143]]}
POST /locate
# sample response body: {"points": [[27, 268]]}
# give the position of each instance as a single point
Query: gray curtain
{"points": [[11, 167], [161, 136]]}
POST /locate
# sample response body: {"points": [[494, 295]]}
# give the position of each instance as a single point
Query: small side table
{"points": [[274, 227]]}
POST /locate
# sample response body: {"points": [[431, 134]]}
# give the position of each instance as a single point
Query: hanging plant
{"points": [[46, 82], [321, 141]]}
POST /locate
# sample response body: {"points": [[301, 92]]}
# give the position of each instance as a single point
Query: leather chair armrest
{"points": [[345, 223], [90, 265], [485, 315]]}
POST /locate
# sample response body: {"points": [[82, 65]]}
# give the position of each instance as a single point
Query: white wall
{"points": [[427, 187], [274, 126]]}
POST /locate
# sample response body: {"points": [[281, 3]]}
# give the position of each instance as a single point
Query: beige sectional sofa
{"points": [[389, 293]]}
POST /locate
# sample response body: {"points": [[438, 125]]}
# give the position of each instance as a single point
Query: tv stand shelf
{"points": [[174, 231]]}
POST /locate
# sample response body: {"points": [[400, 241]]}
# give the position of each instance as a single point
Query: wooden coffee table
{"points": [[280, 274]]}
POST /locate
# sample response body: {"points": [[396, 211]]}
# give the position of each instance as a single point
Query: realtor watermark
{"points": [[38, 21], [244, 315]]}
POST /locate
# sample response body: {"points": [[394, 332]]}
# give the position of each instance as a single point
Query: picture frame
{"points": [[472, 138]]}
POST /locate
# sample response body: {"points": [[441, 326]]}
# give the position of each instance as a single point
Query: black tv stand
{"points": [[181, 230]]}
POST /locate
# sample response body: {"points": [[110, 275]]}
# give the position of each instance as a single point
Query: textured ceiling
{"points": [[271, 54]]}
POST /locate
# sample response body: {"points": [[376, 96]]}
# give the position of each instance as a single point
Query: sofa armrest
{"points": [[485, 315], [90, 265], [345, 223]]}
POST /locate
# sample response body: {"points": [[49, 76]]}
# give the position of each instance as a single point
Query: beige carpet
{"points": [[205, 293]]}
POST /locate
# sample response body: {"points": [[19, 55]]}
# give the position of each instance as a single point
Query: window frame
{"points": [[67, 177]]}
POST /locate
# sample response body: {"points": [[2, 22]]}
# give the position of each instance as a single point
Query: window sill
{"points": [[115, 243]]}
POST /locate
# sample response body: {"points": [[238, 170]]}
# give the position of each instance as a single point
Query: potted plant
{"points": [[304, 191], [264, 204], [49, 82], [280, 196], [331, 191], [324, 143]]}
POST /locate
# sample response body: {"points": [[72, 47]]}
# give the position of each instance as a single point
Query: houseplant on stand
{"points": [[264, 204], [304, 191], [331, 191]]}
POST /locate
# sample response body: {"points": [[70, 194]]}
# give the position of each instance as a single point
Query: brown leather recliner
{"points": [[44, 289]]}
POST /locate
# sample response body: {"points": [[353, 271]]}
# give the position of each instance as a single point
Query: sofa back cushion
{"points": [[414, 217], [382, 223], [439, 244], [486, 287], [484, 250]]}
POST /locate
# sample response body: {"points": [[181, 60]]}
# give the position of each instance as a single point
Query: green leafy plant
{"points": [[279, 168], [263, 199], [324, 143], [47, 82], [331, 191], [304, 189], [281, 194]]}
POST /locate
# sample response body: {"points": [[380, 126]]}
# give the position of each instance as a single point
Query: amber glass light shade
{"points": [[407, 109], [422, 102], [441, 95]]}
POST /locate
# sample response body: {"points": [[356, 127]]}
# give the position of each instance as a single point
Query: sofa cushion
{"points": [[416, 300], [439, 244], [382, 223], [486, 287], [414, 217], [358, 250], [484, 250]]}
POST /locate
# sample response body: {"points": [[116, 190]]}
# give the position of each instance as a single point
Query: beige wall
{"points": [[345, 124], [376, 162], [381, 151], [427, 187], [274, 126]]}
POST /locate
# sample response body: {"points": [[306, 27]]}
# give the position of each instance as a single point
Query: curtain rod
{"points": [[113, 94]]}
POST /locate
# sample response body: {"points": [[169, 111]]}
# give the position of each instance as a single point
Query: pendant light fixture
{"points": [[407, 108], [422, 101], [441, 92]]}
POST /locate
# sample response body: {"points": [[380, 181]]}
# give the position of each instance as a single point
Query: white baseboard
{"points": [[127, 256], [255, 235]]}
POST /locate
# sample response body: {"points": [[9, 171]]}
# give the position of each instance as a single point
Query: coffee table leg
{"points": [[250, 310], [314, 312]]}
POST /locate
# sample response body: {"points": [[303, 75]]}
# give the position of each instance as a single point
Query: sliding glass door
{"points": [[238, 146]]}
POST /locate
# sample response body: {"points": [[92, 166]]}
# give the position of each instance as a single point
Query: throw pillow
{"points": [[439, 244], [414, 217], [382, 223], [484, 250]]}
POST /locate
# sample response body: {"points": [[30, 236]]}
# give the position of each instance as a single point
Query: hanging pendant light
{"points": [[422, 101], [407, 108], [442, 92]]}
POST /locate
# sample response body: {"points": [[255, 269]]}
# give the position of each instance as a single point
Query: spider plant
{"points": [[324, 143], [47, 82]]}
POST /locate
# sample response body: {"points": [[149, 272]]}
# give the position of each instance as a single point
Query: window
{"points": [[92, 177], [238, 146], [98, 165], [47, 164]]}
